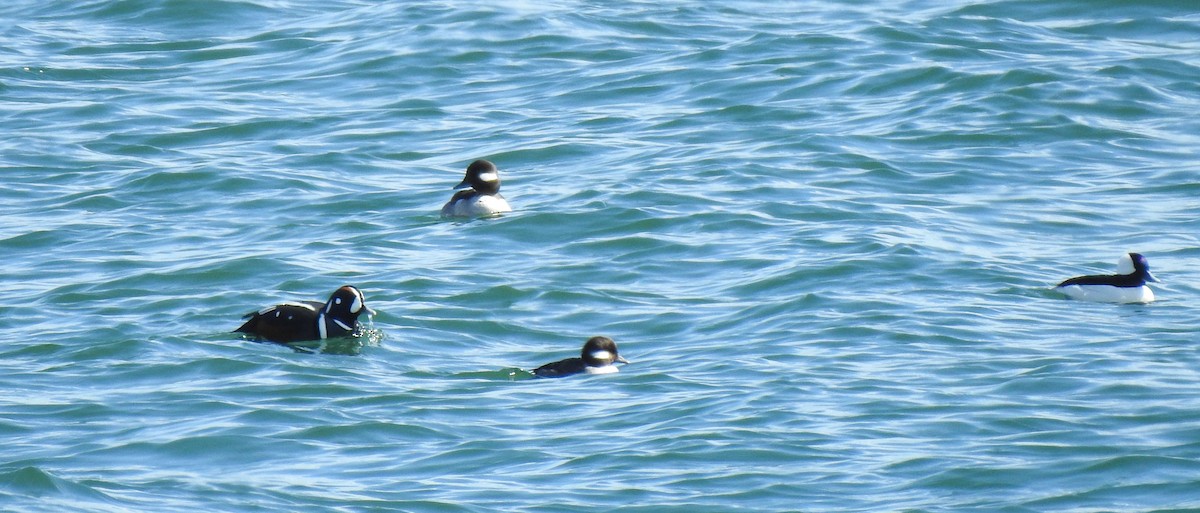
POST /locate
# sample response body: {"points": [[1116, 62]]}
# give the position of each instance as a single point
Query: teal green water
{"points": [[824, 233]]}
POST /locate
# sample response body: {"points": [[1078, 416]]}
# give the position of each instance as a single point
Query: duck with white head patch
{"points": [[1127, 287], [598, 356], [308, 320], [482, 196]]}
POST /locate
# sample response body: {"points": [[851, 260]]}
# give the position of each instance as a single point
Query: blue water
{"points": [[824, 233]]}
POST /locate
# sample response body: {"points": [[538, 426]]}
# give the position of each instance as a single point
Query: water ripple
{"points": [[824, 234]]}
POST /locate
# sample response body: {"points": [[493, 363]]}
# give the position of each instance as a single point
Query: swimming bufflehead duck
{"points": [[598, 356], [1127, 287], [308, 320], [483, 198]]}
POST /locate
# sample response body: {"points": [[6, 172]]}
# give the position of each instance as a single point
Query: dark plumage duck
{"points": [[1127, 287], [308, 320], [598, 356], [482, 198]]}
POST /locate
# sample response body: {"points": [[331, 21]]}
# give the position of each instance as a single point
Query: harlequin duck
{"points": [[308, 320], [482, 198], [597, 357], [1127, 287]]}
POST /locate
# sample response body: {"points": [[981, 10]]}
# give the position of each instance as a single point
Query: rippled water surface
{"points": [[824, 232]]}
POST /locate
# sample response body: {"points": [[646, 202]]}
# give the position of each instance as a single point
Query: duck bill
{"points": [[621, 359], [1150, 277], [462, 185]]}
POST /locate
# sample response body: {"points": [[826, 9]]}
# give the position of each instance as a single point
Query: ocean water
{"points": [[824, 233]]}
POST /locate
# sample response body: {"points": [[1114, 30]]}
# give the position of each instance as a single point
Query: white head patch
{"points": [[489, 176], [1125, 264], [601, 355]]}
